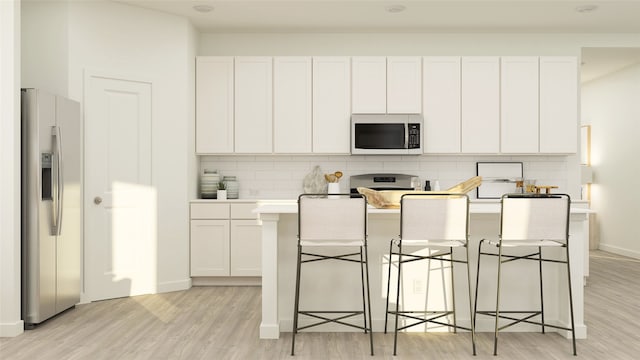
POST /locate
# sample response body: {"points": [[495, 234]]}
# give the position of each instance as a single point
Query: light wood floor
{"points": [[222, 323]]}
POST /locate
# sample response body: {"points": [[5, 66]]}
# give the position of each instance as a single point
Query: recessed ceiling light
{"points": [[586, 8], [203, 8], [395, 8]]}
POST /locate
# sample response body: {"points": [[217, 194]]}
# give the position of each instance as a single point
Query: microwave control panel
{"points": [[414, 136]]}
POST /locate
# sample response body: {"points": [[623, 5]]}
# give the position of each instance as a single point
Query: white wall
{"points": [[10, 323], [610, 105], [130, 41], [45, 47], [121, 39]]}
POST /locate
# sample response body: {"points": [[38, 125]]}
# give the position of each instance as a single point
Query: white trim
{"points": [[227, 281], [11, 329], [619, 251], [169, 286]]}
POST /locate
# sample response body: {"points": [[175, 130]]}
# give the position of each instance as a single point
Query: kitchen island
{"points": [[320, 284]]}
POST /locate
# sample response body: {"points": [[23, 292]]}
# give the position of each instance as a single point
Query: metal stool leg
{"points": [[366, 264], [386, 310], [471, 313], [541, 292], [475, 302], [573, 326], [495, 337], [364, 301], [395, 335], [297, 302], [453, 292]]}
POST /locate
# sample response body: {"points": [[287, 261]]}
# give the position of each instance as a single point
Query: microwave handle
{"points": [[406, 136]]}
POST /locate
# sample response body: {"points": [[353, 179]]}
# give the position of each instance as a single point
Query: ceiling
{"points": [[435, 16], [419, 15]]}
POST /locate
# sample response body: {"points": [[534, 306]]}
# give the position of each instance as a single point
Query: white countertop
{"points": [[483, 206]]}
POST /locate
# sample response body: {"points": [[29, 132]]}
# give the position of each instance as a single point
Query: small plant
{"points": [[222, 185]]}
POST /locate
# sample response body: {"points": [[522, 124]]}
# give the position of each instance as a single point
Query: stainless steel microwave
{"points": [[386, 134]]}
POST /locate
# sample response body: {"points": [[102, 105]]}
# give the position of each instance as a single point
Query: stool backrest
{"points": [[434, 217], [535, 217], [338, 217]]}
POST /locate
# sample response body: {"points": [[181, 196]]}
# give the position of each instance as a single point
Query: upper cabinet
{"points": [[292, 104], [519, 104], [470, 105], [214, 104], [390, 85], [404, 85], [253, 104], [441, 104], [369, 93], [480, 104], [331, 104], [558, 104]]}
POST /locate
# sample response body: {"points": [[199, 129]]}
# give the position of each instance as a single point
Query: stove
{"points": [[383, 182]]}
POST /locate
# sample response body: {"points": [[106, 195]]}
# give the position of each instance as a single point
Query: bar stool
{"points": [[335, 221], [435, 222], [529, 221]]}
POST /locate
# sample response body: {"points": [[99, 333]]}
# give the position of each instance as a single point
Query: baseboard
{"points": [[170, 286], [11, 329], [619, 251], [227, 281]]}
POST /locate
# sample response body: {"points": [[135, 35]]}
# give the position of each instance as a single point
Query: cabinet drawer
{"points": [[209, 211], [243, 211]]}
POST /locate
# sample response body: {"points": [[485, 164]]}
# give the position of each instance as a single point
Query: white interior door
{"points": [[120, 203]]}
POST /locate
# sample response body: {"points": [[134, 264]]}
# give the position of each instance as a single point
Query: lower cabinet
{"points": [[225, 240]]}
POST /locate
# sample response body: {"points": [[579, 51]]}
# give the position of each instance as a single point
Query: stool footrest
{"points": [[326, 320], [521, 320]]}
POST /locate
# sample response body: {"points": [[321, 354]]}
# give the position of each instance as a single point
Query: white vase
{"points": [[222, 194]]}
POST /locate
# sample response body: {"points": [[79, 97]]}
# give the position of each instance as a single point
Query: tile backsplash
{"points": [[281, 176]]}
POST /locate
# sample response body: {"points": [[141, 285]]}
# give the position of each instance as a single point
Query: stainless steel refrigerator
{"points": [[51, 205]]}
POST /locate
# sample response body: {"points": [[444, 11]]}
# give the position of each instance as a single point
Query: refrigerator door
{"points": [[68, 242], [50, 205], [38, 238]]}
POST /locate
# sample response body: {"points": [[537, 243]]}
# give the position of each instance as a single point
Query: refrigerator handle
{"points": [[59, 180]]}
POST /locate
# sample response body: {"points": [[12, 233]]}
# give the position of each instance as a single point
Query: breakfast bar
{"points": [[279, 247]]}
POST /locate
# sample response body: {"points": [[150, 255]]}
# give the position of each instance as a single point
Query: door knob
{"points": [[97, 200]]}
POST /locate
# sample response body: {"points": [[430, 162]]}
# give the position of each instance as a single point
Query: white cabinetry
{"points": [[331, 104], [386, 85], [480, 105], [519, 105], [253, 105], [214, 104], [225, 240], [441, 101], [369, 93], [292, 104], [404, 85], [558, 104]]}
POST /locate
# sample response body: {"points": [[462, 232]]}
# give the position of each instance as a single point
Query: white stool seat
{"points": [[432, 243], [527, 243]]}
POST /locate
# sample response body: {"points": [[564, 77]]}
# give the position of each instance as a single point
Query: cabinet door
{"points": [[209, 247], [480, 105], [331, 105], [558, 105], [292, 104], [404, 85], [253, 105], [246, 248], [519, 104], [214, 104], [369, 93], [441, 99]]}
